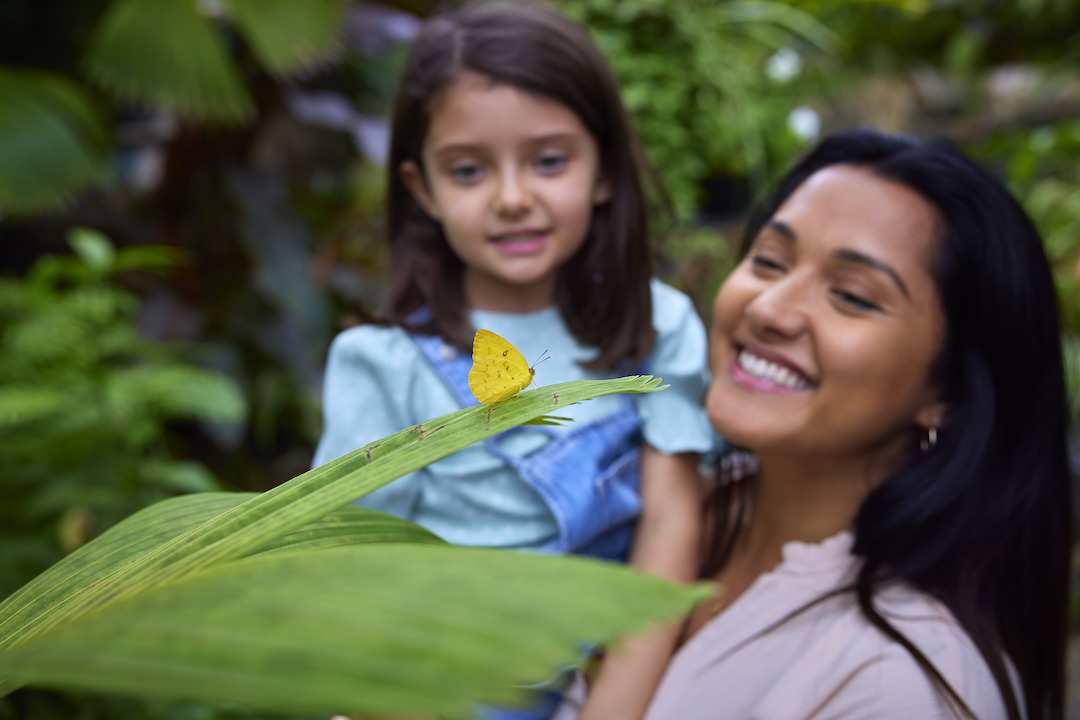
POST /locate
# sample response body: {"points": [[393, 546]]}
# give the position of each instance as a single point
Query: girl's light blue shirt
{"points": [[377, 383]]}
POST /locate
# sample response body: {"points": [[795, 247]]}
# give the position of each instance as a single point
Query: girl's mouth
{"points": [[763, 374], [521, 242]]}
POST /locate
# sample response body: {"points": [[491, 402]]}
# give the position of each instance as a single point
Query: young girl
{"points": [[889, 349], [516, 205]]}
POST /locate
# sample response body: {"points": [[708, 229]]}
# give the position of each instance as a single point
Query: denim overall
{"points": [[588, 477]]}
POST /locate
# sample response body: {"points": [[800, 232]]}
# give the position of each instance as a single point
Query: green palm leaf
{"points": [[286, 35], [53, 142], [164, 53], [508, 617], [380, 629], [164, 521]]}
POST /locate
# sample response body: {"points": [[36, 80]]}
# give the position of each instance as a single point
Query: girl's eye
{"points": [[854, 301], [551, 163], [466, 173]]}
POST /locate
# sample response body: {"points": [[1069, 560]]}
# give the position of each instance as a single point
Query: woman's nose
{"points": [[779, 311], [513, 196]]}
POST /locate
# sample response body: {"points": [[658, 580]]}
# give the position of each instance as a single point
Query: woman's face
{"points": [[825, 335]]}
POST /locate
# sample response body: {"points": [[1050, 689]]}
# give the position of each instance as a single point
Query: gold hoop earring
{"points": [[929, 442]]}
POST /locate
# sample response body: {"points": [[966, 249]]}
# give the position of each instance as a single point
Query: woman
{"points": [[889, 350]]}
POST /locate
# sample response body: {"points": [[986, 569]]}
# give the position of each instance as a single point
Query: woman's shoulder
{"points": [[883, 668], [933, 628]]}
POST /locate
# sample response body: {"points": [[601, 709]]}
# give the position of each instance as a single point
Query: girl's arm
{"points": [[665, 544]]}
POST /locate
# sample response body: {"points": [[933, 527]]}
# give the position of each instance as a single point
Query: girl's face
{"points": [[825, 335], [513, 179]]}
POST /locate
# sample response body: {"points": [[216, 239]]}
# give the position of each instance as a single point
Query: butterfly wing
{"points": [[499, 371]]}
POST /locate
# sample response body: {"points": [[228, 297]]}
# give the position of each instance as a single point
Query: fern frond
{"points": [[15, 299], [165, 54], [69, 331], [178, 391], [45, 337], [21, 405], [100, 304]]}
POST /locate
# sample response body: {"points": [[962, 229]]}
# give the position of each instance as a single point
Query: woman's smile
{"points": [[767, 375], [826, 334]]}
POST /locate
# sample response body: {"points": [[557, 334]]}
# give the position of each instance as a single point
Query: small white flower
{"points": [[804, 122], [784, 65]]}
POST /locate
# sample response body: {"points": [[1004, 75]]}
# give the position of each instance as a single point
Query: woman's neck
{"points": [[797, 501]]}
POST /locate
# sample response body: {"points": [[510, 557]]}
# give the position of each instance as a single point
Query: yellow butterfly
{"points": [[499, 370]]}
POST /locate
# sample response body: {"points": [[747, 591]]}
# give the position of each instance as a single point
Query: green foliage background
{"points": [[85, 403], [166, 336]]}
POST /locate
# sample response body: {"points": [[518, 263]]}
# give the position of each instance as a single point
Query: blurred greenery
{"points": [[85, 405], [229, 151], [691, 74]]}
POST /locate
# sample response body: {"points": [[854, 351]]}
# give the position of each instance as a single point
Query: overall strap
{"points": [[586, 475]]}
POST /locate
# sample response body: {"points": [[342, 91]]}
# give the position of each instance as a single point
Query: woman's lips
{"points": [[767, 375]]}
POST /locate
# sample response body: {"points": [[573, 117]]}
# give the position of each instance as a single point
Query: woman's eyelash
{"points": [[766, 263], [854, 300]]}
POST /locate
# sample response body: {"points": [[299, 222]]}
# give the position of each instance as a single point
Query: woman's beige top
{"points": [[827, 662]]}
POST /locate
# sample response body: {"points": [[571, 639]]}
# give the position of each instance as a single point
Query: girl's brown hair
{"points": [[603, 290]]}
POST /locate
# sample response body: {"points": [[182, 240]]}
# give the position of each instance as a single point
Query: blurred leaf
{"points": [[286, 35], [303, 499], [53, 142], [94, 249], [165, 54], [163, 604], [146, 257], [179, 391], [23, 405], [379, 629], [153, 527], [1071, 348], [180, 476]]}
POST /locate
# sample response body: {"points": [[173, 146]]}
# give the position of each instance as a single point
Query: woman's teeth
{"points": [[771, 372]]}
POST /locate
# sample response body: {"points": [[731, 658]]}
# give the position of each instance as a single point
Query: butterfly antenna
{"points": [[543, 356]]}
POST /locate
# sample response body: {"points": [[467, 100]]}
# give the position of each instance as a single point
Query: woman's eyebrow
{"points": [[855, 256], [782, 228], [852, 256]]}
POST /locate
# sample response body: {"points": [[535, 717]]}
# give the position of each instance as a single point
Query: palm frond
{"points": [[165, 54], [286, 35], [53, 142]]}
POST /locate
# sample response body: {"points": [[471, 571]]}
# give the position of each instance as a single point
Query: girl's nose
{"points": [[513, 196], [779, 311]]}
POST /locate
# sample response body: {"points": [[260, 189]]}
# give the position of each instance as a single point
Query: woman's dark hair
{"points": [[982, 521], [603, 290]]}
